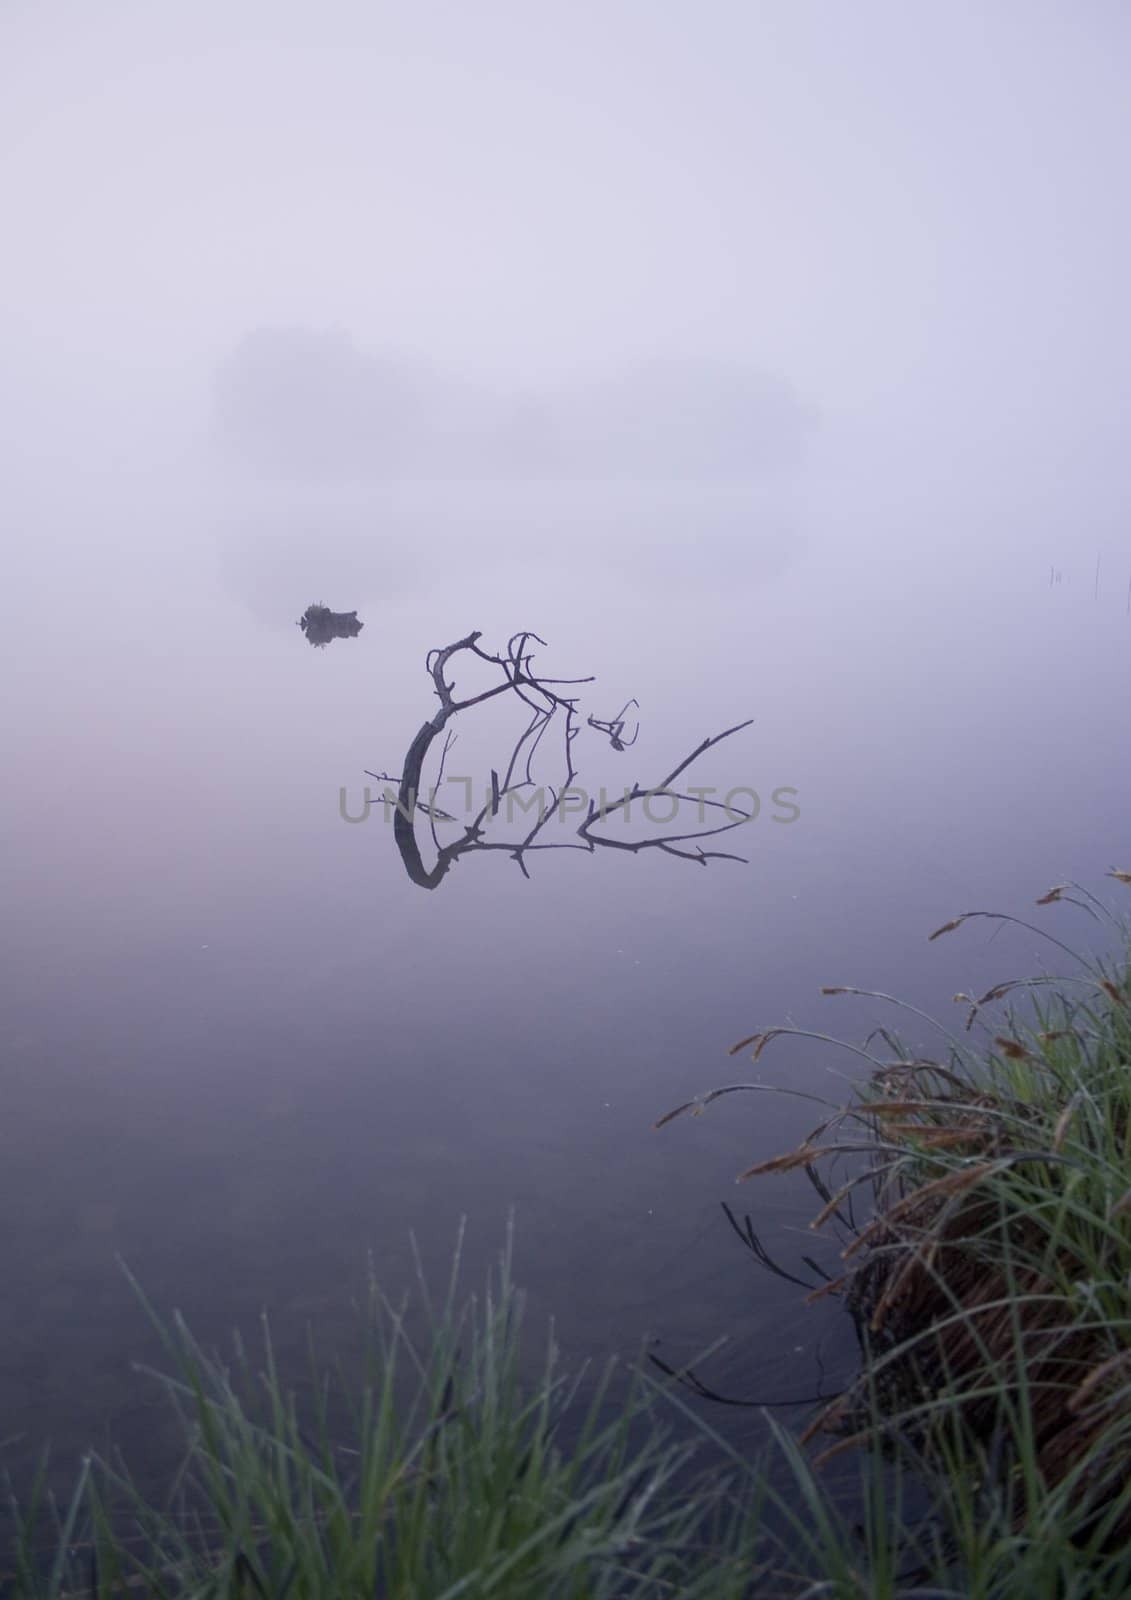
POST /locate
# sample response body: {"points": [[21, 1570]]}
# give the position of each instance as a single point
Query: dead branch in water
{"points": [[549, 707]]}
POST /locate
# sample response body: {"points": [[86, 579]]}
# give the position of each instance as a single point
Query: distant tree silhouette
{"points": [[310, 403], [298, 402]]}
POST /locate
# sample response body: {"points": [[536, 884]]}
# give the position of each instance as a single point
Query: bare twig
{"points": [[550, 707]]}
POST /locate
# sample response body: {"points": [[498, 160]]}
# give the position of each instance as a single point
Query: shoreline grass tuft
{"points": [[991, 1280]]}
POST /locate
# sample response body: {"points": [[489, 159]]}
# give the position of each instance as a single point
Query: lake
{"points": [[245, 1054]]}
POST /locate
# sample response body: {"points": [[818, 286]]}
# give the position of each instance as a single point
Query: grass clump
{"points": [[990, 1274], [440, 1469]]}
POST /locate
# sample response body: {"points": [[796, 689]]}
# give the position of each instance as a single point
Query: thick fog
{"points": [[770, 361], [905, 219]]}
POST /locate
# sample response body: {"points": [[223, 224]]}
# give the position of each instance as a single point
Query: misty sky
{"points": [[912, 212]]}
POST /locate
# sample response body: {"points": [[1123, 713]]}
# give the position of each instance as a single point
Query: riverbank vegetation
{"points": [[983, 1200]]}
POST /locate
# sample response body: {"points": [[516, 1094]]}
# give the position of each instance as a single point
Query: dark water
{"points": [[241, 1050]]}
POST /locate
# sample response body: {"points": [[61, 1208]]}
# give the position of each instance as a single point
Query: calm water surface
{"points": [[242, 1051]]}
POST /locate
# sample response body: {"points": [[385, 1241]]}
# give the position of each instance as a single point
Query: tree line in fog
{"points": [[308, 403]]}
